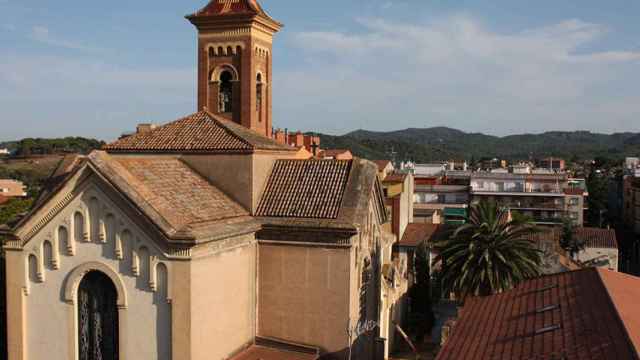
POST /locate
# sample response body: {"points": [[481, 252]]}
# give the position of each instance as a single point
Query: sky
{"points": [[98, 68]]}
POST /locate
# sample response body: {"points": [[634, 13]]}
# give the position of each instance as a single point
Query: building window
{"points": [[225, 102], [259, 93], [97, 318]]}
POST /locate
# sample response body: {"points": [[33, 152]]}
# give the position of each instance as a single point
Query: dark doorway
{"points": [[97, 318]]}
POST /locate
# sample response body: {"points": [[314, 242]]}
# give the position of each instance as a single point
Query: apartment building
{"points": [[546, 197]]}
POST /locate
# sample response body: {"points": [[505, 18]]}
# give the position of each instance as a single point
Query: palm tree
{"points": [[489, 254]]}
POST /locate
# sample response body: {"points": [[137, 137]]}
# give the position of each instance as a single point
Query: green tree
{"points": [[422, 310], [13, 208], [597, 201], [489, 254], [568, 241]]}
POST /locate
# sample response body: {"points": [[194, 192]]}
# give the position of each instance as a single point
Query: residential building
{"points": [[551, 163], [583, 314], [600, 247], [205, 238], [540, 196], [398, 189], [12, 188], [385, 167], [632, 163], [431, 201], [434, 169]]}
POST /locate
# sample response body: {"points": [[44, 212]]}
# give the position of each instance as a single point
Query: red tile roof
{"points": [[257, 352], [416, 233], [598, 238], [218, 7], [305, 189], [168, 190], [584, 314], [593, 237], [201, 132], [3, 199]]}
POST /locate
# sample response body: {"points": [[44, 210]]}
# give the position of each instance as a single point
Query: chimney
{"points": [[145, 128]]}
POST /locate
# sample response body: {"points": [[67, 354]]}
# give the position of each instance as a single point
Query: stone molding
{"points": [[76, 276]]}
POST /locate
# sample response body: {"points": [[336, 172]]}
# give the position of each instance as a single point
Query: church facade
{"points": [[205, 238]]}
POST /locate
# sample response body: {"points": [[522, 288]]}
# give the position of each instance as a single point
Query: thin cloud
{"points": [[43, 35], [458, 72]]}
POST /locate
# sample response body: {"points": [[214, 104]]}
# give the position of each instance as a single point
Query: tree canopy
{"points": [[489, 254]]}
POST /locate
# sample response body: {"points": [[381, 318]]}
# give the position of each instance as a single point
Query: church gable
{"points": [[91, 227], [92, 234]]}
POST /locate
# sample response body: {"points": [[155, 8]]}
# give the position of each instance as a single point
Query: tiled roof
{"points": [[305, 189], [269, 349], [257, 352], [416, 233], [584, 314], [593, 237], [598, 238], [166, 187], [201, 132], [237, 7]]}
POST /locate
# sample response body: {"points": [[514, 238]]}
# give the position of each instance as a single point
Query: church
{"points": [[206, 237]]}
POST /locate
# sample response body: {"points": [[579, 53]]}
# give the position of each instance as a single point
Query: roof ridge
{"points": [[222, 124]]}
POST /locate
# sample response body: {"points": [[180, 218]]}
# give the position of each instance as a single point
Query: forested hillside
{"points": [[443, 143]]}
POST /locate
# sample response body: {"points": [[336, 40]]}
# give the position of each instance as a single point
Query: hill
{"points": [[38, 146], [442, 143]]}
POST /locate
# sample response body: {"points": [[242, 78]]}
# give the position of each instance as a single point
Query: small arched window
{"points": [[226, 92], [259, 92]]}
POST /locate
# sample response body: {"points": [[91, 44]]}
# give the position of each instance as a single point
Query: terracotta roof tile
{"points": [[598, 238], [305, 189], [583, 314], [416, 233], [220, 8], [201, 132], [257, 352], [593, 237], [271, 349], [169, 188]]}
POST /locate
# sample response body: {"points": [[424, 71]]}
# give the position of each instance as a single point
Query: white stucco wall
{"points": [[145, 324]]}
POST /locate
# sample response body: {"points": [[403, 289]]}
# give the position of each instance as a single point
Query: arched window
{"points": [[78, 227], [97, 318], [259, 92], [226, 92]]}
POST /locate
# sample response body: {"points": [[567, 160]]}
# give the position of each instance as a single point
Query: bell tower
{"points": [[235, 61]]}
